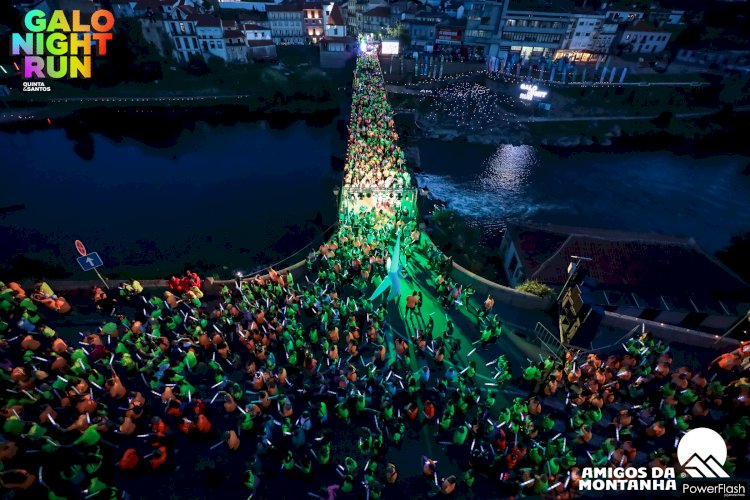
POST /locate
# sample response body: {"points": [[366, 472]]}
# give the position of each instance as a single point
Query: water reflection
{"points": [[508, 169], [703, 198], [500, 192]]}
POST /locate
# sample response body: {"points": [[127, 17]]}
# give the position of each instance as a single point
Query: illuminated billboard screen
{"points": [[389, 47], [531, 92]]}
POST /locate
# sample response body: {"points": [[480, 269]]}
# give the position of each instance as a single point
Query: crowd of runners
{"points": [[374, 159], [313, 373]]}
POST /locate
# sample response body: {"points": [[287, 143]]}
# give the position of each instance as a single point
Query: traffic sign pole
{"points": [[91, 261], [101, 278]]}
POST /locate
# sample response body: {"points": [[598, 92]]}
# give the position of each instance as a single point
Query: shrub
{"points": [[535, 288]]}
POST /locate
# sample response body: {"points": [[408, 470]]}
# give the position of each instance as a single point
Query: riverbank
{"points": [[294, 85], [482, 110], [271, 106], [700, 134]]}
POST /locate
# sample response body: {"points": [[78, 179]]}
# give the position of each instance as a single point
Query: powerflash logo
{"points": [[627, 479], [702, 453]]}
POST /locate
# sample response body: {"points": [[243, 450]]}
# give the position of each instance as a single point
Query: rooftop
{"points": [[542, 5], [381, 11], [420, 22], [627, 6], [284, 7], [642, 263], [231, 33], [242, 15], [153, 5], [338, 39], [336, 18], [207, 20], [645, 26], [253, 27]]}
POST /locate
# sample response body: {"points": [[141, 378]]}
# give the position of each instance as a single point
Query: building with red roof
{"points": [[642, 275], [335, 26]]}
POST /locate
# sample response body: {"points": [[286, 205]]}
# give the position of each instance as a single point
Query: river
{"points": [[662, 192], [221, 198], [228, 198]]}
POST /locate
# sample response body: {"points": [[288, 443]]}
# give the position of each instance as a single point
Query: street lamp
{"points": [[572, 268]]}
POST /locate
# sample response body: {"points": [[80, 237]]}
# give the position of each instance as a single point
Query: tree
{"points": [[398, 32], [664, 119], [196, 66], [735, 255]]}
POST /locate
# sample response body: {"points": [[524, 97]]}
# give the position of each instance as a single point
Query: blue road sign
{"points": [[89, 261]]}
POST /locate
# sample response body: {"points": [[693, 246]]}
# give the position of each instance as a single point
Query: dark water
{"points": [[706, 198], [225, 198], [222, 198]]}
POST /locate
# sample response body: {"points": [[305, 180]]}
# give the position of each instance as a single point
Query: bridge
{"points": [[195, 358]]}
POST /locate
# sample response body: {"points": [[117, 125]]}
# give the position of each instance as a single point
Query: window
{"points": [[213, 45], [578, 33], [195, 43], [651, 37], [588, 34], [182, 27]]}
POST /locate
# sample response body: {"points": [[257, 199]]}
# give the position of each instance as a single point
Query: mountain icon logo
{"points": [[702, 453]]}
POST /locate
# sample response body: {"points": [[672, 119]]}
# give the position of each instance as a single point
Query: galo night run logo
{"points": [[58, 47]]}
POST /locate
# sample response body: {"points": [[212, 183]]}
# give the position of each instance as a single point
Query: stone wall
{"points": [[501, 293], [670, 333]]}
